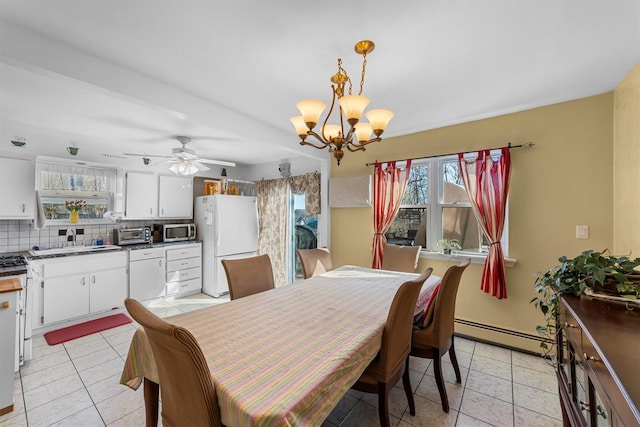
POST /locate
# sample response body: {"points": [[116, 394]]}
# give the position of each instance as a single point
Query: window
{"points": [[436, 206], [58, 184]]}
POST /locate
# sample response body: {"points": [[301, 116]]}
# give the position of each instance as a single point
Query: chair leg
{"points": [[437, 372], [454, 362], [406, 382], [383, 404]]}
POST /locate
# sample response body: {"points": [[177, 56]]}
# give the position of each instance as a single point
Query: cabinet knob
{"points": [[584, 406], [23, 208], [592, 358], [569, 325], [83, 281], [5, 304]]}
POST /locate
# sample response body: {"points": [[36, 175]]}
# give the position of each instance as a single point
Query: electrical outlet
{"points": [[582, 231]]}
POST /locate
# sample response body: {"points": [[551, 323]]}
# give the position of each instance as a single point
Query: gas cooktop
{"points": [[12, 261]]}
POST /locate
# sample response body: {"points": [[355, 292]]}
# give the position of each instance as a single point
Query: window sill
{"points": [[476, 258]]}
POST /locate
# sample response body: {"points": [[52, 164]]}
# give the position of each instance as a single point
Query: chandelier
{"points": [[351, 108]]}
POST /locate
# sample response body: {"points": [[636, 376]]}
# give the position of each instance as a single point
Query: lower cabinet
{"points": [[184, 269], [146, 273], [82, 285], [168, 270], [597, 348]]}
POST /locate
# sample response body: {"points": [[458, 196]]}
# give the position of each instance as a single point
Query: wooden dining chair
{"points": [[315, 261], [435, 337], [392, 363], [400, 258], [188, 394], [248, 276]]}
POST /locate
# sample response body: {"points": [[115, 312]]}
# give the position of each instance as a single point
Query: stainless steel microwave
{"points": [[174, 232], [132, 236]]}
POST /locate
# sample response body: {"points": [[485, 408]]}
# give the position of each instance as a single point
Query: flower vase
{"points": [[73, 217]]}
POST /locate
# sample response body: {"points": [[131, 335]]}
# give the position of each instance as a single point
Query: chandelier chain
{"points": [[344, 72], [364, 65]]}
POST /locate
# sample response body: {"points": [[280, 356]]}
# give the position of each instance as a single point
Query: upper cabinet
{"points": [[18, 188], [175, 197], [141, 195], [149, 196]]}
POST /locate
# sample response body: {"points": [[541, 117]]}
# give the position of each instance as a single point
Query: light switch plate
{"points": [[582, 231]]}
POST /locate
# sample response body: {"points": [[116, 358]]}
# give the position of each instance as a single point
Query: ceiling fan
{"points": [[184, 161]]}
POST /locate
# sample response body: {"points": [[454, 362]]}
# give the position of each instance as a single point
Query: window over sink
{"points": [[59, 185]]}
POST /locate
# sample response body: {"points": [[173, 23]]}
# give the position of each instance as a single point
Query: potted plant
{"points": [[598, 271], [446, 245], [74, 207]]}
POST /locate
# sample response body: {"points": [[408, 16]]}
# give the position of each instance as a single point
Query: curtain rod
{"points": [[527, 145]]}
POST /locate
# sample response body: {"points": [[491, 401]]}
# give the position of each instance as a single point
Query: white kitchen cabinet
{"points": [[103, 295], [80, 285], [146, 273], [18, 189], [8, 310], [141, 195], [175, 197], [65, 297], [184, 269]]}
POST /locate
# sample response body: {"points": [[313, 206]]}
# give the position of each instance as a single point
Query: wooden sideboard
{"points": [[598, 349]]}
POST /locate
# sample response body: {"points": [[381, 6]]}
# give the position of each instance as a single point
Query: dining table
{"points": [[286, 356]]}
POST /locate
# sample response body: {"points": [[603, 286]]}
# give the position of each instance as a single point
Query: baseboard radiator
{"points": [[536, 339]]}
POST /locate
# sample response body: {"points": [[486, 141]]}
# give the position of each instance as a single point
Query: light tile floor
{"points": [[77, 384]]}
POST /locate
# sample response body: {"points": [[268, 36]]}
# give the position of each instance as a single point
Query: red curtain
{"points": [[487, 185], [389, 183]]}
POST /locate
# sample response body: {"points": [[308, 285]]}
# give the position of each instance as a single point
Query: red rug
{"points": [[86, 328]]}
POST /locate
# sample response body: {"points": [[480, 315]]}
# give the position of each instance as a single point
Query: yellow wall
{"points": [[626, 160], [564, 180]]}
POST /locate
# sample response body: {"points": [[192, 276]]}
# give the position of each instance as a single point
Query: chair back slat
{"points": [[248, 276], [400, 258], [188, 394], [315, 261]]}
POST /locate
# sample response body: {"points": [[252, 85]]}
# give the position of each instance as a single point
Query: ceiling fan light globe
{"points": [[182, 167]]}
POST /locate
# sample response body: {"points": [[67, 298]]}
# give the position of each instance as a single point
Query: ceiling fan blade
{"points": [[217, 162], [166, 162], [200, 166], [146, 155]]}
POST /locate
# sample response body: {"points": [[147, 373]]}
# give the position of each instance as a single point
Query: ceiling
{"points": [[123, 76]]}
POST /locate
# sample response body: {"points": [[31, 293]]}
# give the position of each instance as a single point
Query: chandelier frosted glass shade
{"points": [[349, 110], [183, 167]]}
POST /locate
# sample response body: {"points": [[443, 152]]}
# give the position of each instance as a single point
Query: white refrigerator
{"points": [[228, 228]]}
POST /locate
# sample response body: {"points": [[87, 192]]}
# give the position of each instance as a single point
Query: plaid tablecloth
{"points": [[285, 357]]}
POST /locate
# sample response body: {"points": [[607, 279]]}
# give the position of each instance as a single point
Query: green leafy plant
{"points": [[447, 245], [574, 275]]}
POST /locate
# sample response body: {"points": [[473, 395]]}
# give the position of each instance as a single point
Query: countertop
{"points": [[10, 285], [112, 248]]}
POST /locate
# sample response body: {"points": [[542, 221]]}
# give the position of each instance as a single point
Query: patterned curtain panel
{"points": [[487, 185], [389, 183], [309, 185], [272, 224]]}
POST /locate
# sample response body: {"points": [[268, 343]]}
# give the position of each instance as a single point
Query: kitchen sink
{"points": [[72, 250]]}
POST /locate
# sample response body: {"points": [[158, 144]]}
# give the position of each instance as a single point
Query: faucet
{"points": [[71, 236]]}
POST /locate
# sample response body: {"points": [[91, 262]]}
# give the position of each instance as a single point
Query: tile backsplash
{"points": [[20, 235]]}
